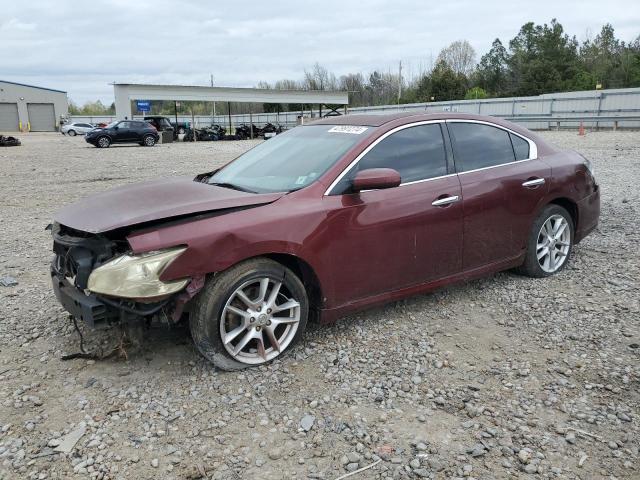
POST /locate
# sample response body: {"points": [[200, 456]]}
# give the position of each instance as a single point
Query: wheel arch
{"points": [[301, 268], [305, 273], [570, 206]]}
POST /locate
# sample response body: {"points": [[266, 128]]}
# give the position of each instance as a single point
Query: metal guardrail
{"points": [[614, 120], [552, 121]]}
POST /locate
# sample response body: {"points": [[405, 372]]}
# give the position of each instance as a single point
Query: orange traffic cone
{"points": [[581, 130]]}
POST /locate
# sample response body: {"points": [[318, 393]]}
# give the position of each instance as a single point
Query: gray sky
{"points": [[81, 46]]}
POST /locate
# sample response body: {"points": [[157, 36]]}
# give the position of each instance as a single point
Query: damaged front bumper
{"points": [[86, 308], [97, 311], [76, 255]]}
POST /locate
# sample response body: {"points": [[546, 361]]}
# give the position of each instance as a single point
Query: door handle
{"points": [[441, 202], [533, 183]]}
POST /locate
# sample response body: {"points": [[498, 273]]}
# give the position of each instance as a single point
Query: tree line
{"points": [[539, 59]]}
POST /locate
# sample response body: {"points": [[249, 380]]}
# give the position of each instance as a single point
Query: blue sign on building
{"points": [[143, 105]]}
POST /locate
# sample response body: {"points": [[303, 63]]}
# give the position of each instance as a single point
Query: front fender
{"points": [[217, 243]]}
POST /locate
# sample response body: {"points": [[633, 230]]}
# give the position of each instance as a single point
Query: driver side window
{"points": [[417, 153]]}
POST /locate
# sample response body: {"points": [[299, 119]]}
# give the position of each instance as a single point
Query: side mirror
{"points": [[376, 179]]}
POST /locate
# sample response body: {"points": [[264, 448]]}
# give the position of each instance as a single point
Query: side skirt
{"points": [[332, 314]]}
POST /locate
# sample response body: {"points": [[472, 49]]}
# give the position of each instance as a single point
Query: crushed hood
{"points": [[151, 201]]}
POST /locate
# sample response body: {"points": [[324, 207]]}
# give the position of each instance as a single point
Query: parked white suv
{"points": [[73, 129]]}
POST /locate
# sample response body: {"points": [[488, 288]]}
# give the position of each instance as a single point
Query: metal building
{"points": [[126, 92], [30, 108]]}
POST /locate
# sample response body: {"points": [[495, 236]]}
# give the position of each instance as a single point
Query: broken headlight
{"points": [[136, 276]]}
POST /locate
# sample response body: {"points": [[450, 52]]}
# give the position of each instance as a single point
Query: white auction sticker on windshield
{"points": [[347, 129]]}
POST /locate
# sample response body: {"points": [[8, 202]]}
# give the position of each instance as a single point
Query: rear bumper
{"points": [[588, 215]]}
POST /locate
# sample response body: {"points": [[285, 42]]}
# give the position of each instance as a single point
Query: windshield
{"points": [[290, 161]]}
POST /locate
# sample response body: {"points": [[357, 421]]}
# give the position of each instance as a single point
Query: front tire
{"points": [[72, 133], [103, 142], [149, 141], [249, 315], [550, 243]]}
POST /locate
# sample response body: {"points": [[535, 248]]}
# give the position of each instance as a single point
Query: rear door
{"points": [[396, 237], [503, 183]]}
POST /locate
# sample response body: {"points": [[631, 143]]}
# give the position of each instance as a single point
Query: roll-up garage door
{"points": [[42, 117], [9, 117]]}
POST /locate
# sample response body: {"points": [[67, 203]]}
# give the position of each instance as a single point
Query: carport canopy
{"points": [[125, 92]]}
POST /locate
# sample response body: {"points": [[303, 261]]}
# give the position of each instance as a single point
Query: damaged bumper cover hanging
{"points": [[99, 282]]}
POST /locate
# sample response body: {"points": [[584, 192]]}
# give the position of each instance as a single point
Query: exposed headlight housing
{"points": [[136, 276]]}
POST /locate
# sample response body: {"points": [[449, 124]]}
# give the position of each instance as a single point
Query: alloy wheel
{"points": [[149, 141], [259, 321], [103, 142], [554, 242]]}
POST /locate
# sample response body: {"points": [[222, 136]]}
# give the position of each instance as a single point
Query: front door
{"points": [[396, 237], [125, 133]]}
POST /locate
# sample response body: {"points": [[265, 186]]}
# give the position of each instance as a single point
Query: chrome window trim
{"points": [[495, 166], [428, 179], [416, 181], [378, 140], [533, 148]]}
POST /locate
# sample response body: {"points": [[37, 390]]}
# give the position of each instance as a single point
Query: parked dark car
{"points": [[123, 131], [323, 220], [161, 124]]}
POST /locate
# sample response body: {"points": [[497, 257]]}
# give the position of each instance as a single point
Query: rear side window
{"points": [[520, 147], [479, 146]]}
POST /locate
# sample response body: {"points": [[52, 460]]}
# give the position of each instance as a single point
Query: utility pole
{"points": [[399, 82], [213, 109]]}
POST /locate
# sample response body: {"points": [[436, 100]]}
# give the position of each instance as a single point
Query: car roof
{"points": [[377, 120], [402, 118]]}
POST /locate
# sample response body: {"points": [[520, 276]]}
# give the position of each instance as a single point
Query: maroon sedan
{"points": [[323, 220]]}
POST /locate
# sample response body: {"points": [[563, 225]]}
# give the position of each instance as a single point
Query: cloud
{"points": [[81, 47]]}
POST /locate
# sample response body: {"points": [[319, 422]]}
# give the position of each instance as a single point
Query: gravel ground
{"points": [[496, 378]]}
